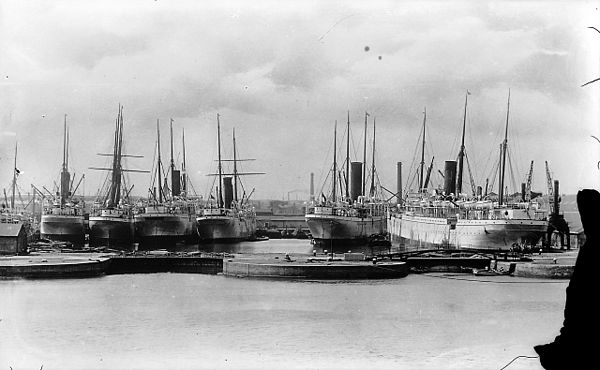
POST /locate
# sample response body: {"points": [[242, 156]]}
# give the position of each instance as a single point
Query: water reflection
{"points": [[291, 246]]}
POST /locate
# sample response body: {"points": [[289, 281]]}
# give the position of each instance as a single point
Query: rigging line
{"points": [[325, 159], [512, 175], [517, 357], [495, 171], [153, 177], [413, 164]]}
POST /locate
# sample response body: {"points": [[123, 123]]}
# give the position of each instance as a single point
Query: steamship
{"points": [[350, 218], [226, 217], [448, 218], [62, 214], [166, 218], [111, 219]]}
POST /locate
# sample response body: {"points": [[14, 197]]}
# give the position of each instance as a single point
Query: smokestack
{"points": [[312, 186], [479, 191], [228, 191], [175, 183], [450, 177], [356, 180], [399, 183]]}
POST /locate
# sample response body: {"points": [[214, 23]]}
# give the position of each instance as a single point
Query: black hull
{"points": [[114, 234]]}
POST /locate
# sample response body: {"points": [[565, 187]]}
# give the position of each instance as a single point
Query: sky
{"points": [[282, 72]]}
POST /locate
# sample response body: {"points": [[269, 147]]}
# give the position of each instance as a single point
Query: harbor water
{"points": [[192, 321]]}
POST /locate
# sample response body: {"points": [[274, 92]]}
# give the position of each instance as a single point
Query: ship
{"points": [[449, 218], [16, 223], [63, 214], [226, 217], [168, 217], [354, 218], [111, 221]]}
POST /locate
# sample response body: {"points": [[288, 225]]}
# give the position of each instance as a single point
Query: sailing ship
{"points": [[63, 214], [449, 218], [111, 221], [226, 217], [168, 217], [356, 217]]}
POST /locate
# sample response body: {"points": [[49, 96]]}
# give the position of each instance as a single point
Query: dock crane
{"points": [[556, 221]]}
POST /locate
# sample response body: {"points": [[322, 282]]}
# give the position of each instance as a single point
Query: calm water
{"points": [[187, 321]]}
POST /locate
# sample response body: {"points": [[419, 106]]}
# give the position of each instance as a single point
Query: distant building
{"points": [[280, 215], [13, 238]]}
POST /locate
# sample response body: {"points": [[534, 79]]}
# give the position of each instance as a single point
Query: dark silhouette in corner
{"points": [[575, 346]]}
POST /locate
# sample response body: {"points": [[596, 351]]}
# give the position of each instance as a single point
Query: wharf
{"points": [[546, 265], [317, 268], [556, 264], [79, 265]]}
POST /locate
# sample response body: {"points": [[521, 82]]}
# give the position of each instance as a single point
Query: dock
{"points": [[151, 263], [81, 265], [51, 266]]}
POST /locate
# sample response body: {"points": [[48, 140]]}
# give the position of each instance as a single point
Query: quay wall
{"points": [[538, 270], [151, 264]]}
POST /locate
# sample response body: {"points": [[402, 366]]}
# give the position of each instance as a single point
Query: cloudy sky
{"points": [[282, 73]]}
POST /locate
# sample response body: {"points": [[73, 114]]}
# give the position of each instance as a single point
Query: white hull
{"points": [[418, 232]]}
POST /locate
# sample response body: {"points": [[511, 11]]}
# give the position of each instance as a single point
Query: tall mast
{"points": [[372, 192], [348, 157], [461, 154], [64, 175], [119, 153], [65, 155], [183, 174], [423, 151], [14, 182], [235, 173], [172, 161], [158, 175], [334, 159], [115, 176], [364, 157], [220, 167], [504, 146]]}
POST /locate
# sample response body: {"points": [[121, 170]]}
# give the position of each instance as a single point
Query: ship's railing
{"points": [[320, 210], [214, 212], [64, 211]]}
